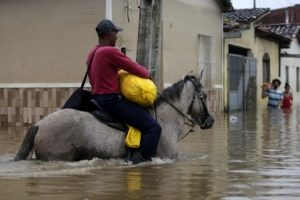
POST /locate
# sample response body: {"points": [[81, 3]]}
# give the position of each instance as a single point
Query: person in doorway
{"points": [[103, 76], [274, 94], [287, 97]]}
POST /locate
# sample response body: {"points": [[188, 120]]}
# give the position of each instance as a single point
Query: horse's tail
{"points": [[27, 144]]}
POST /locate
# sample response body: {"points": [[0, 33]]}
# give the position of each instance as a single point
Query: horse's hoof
{"points": [[137, 158]]}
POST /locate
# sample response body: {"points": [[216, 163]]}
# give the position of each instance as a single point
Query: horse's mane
{"points": [[173, 92]]}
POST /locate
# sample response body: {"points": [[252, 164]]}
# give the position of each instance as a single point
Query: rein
{"points": [[193, 123], [171, 104]]}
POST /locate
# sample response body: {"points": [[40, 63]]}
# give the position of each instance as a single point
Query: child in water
{"points": [[287, 97]]}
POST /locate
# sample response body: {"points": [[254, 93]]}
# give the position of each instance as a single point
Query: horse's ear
{"points": [[188, 76], [200, 75]]}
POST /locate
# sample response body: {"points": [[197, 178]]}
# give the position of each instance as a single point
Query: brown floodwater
{"points": [[246, 155]]}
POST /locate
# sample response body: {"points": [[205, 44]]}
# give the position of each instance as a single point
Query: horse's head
{"points": [[198, 108]]}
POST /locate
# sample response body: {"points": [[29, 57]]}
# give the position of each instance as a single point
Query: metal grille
{"points": [[242, 82], [236, 69]]}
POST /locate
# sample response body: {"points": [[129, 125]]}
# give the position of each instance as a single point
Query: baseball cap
{"points": [[106, 25]]}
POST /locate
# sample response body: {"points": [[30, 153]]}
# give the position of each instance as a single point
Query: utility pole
{"points": [[149, 38], [254, 4]]}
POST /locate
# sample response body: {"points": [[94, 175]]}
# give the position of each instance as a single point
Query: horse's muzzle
{"points": [[208, 123]]}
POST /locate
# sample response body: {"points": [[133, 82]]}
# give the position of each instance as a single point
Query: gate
{"points": [[242, 82]]}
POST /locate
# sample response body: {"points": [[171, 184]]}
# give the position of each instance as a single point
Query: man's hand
{"points": [[152, 71], [263, 94]]}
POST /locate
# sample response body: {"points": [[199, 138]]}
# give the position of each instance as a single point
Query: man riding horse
{"points": [[103, 76], [73, 135]]}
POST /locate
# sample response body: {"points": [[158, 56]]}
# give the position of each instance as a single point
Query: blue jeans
{"points": [[136, 116]]}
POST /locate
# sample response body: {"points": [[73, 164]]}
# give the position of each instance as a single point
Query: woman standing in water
{"points": [[287, 97]]}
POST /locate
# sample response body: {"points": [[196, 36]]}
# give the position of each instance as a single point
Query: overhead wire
{"points": [[259, 4], [279, 3], [289, 2]]}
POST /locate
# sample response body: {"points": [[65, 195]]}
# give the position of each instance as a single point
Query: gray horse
{"points": [[71, 135]]}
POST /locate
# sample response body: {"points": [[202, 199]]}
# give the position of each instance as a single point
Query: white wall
{"points": [[292, 64]]}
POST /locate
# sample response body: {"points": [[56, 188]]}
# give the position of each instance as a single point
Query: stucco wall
{"points": [[271, 48], [43, 42], [258, 47], [183, 21], [180, 36], [127, 19], [47, 42], [44, 45], [292, 64]]}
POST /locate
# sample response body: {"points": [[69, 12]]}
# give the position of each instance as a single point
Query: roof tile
{"points": [[245, 15], [287, 30]]}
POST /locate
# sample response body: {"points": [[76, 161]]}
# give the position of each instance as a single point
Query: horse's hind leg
{"points": [[49, 148], [57, 156], [65, 152]]}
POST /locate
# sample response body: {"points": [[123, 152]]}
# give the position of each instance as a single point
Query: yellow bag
{"points": [[133, 137], [138, 90]]}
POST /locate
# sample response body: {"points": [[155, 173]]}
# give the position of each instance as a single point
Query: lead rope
{"points": [[191, 130]]}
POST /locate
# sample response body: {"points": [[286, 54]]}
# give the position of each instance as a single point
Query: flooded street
{"points": [[246, 155]]}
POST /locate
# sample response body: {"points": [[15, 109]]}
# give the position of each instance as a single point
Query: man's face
{"points": [[276, 84], [113, 37]]}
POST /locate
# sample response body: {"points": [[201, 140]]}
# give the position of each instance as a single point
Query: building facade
{"points": [[45, 44], [251, 57], [286, 23]]}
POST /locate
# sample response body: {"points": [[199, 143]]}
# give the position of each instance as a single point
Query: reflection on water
{"points": [[246, 155]]}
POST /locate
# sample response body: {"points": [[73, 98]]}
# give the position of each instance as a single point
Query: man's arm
{"points": [[263, 94], [123, 62]]}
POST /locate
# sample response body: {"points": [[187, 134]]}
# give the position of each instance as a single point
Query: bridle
{"points": [[201, 98], [204, 111]]}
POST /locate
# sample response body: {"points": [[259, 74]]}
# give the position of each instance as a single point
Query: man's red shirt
{"points": [[107, 62]]}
